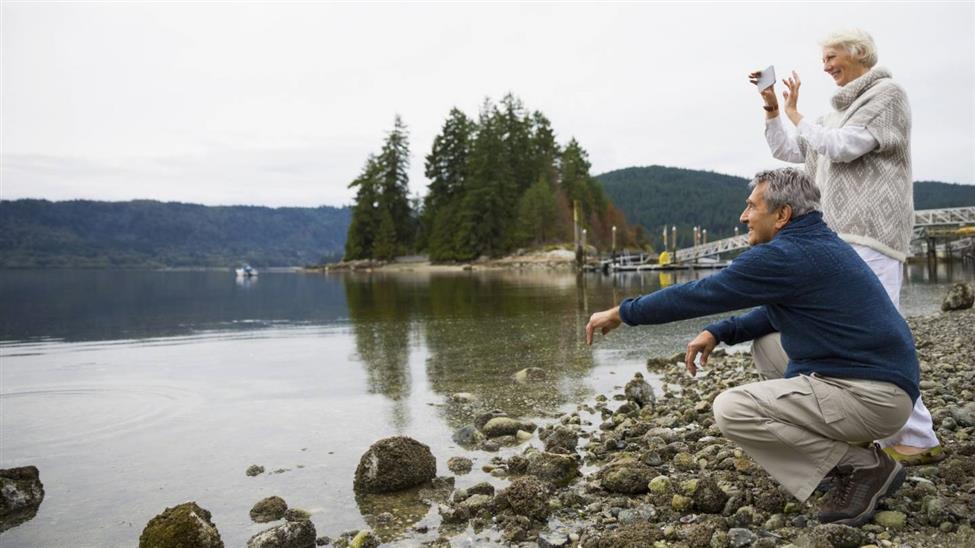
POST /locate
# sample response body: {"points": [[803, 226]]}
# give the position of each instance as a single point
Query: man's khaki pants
{"points": [[798, 429]]}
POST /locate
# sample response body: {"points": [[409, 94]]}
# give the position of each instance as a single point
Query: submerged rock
{"points": [[959, 297], [505, 426], [529, 374], [21, 494], [292, 534], [268, 509], [181, 526], [468, 436], [392, 464], [459, 465], [254, 470]]}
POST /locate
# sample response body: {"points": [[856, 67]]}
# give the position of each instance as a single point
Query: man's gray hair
{"points": [[856, 42], [788, 186]]}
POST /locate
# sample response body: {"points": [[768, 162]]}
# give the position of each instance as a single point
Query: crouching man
{"points": [[853, 372]]}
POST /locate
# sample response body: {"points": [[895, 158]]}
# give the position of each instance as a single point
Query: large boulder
{"points": [[293, 534], [269, 509], [959, 297], [21, 493], [181, 526], [392, 464]]}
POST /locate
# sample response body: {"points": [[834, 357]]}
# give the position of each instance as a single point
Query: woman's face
{"points": [[841, 65]]}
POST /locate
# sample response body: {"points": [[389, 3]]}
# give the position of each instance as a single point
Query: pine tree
{"points": [[537, 215], [394, 178], [447, 169], [365, 214]]}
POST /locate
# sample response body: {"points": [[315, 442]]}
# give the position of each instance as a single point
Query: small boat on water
{"points": [[246, 271]]}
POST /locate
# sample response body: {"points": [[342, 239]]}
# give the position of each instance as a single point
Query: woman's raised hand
{"points": [[791, 95]]}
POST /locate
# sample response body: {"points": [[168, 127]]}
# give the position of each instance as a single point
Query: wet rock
{"points": [[957, 470], [296, 514], [254, 470], [660, 485], [637, 535], [832, 535], [552, 467], [553, 539], [475, 503], [739, 537], [964, 415], [268, 509], [642, 513], [639, 391], [467, 436], [529, 374], [463, 397], [959, 297], [708, 497], [364, 539], [505, 426], [460, 465], [631, 478], [483, 418], [292, 534], [21, 494], [180, 526], [890, 519], [392, 464], [526, 496]]}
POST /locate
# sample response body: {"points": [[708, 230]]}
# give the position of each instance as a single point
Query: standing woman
{"points": [[860, 157]]}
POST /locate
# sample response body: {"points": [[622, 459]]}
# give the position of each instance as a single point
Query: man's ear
{"points": [[783, 216]]}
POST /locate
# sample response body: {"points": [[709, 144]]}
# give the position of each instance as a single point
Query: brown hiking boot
{"points": [[856, 491]]}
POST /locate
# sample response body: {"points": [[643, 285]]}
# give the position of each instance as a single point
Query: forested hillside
{"points": [[80, 233], [658, 196]]}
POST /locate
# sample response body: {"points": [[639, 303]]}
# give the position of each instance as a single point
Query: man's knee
{"points": [[731, 408]]}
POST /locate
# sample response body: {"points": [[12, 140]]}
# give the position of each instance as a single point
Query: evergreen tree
{"points": [[394, 178], [537, 215], [365, 214], [446, 168]]}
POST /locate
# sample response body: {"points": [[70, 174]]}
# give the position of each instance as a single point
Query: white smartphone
{"points": [[766, 78]]}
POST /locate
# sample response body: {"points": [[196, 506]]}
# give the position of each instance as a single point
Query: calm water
{"points": [[133, 391]]}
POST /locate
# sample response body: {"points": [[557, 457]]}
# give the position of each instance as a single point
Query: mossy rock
{"points": [[183, 526], [393, 464]]}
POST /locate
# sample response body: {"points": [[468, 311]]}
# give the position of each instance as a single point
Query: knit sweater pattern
{"points": [[869, 201], [834, 315]]}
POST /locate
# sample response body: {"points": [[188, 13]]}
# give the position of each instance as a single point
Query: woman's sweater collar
{"points": [[845, 96]]}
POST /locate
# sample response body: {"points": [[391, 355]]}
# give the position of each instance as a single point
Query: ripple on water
{"points": [[58, 418]]}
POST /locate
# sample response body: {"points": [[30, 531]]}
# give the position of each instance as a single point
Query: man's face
{"points": [[762, 223]]}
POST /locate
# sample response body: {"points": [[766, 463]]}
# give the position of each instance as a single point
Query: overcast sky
{"points": [[279, 105]]}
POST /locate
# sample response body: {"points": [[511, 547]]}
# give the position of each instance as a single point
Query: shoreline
{"points": [[666, 476]]}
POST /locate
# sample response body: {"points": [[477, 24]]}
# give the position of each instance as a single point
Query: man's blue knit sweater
{"points": [[835, 318]]}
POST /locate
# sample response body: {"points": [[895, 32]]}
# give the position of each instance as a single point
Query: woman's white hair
{"points": [[856, 42]]}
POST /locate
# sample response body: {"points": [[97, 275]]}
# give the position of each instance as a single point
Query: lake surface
{"points": [[133, 391]]}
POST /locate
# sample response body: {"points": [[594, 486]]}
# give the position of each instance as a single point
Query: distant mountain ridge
{"points": [[659, 196], [146, 233]]}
